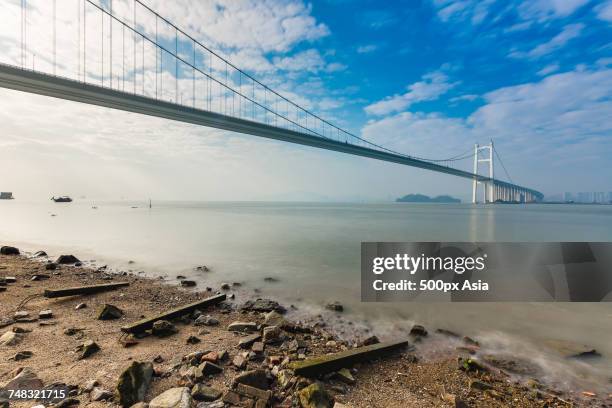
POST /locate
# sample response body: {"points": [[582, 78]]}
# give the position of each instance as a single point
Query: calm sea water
{"points": [[313, 249]]}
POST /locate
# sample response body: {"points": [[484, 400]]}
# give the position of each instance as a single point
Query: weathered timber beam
{"points": [[316, 366], [146, 324], [83, 290]]}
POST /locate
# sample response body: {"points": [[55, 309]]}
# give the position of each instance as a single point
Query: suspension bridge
{"points": [[131, 58]]}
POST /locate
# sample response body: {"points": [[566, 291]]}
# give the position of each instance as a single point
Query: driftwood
{"points": [[83, 290], [145, 324], [316, 366]]}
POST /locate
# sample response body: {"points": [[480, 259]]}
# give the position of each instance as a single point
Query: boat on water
{"points": [[62, 199], [6, 195]]}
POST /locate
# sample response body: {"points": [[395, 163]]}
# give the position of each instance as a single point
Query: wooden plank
{"points": [[316, 366], [145, 324], [83, 290]]}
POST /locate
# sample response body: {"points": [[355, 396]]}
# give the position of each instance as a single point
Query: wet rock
{"points": [[9, 250], [100, 394], [90, 385], [88, 349], [418, 331], [22, 355], [247, 341], [109, 312], [22, 314], [179, 397], [193, 340], [315, 396], [345, 376], [133, 383], [26, 379], [206, 321], [258, 347], [480, 385], [213, 357], [447, 333], [202, 268], [335, 306], [275, 319], [45, 314], [66, 259], [272, 334], [254, 378], [80, 306], [512, 365], [270, 279], [263, 305], [369, 341], [39, 254], [11, 338], [470, 341], [242, 326], [470, 364], [163, 328], [225, 286], [10, 279], [51, 266], [209, 368], [201, 392], [240, 361], [188, 283]]}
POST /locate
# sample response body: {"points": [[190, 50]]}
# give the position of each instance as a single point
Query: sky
{"points": [[427, 78]]}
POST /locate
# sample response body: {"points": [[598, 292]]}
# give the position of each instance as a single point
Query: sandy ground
{"points": [[400, 380]]}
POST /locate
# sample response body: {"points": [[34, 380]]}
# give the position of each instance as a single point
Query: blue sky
{"points": [[428, 78]]}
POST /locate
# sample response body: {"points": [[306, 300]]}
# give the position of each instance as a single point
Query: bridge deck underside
{"points": [[44, 84]]}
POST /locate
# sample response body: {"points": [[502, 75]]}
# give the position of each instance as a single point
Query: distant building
{"points": [[568, 196], [610, 197], [6, 195]]}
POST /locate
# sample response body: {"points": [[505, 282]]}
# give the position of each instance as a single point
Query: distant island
{"points": [[420, 198]]}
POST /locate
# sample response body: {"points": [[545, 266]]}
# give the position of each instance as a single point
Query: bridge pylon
{"points": [[489, 191]]}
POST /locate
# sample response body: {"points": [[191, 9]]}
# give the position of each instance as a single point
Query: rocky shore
{"points": [[243, 353]]}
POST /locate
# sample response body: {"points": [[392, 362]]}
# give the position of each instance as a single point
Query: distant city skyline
{"points": [[428, 78]]}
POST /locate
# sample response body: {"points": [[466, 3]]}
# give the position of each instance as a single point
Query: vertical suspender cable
{"points": [[134, 36], [54, 37], [110, 48]]}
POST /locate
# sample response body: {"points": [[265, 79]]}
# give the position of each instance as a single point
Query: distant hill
{"points": [[421, 198]]}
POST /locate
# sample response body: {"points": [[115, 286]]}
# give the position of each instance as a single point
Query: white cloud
{"points": [[467, 97], [431, 86], [604, 11], [476, 11], [568, 33], [557, 128], [549, 69], [366, 49], [543, 10]]}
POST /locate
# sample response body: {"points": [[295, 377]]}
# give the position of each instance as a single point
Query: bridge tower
{"points": [[489, 190]]}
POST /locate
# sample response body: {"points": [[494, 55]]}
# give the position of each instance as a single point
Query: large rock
{"points": [[25, 380], [275, 319], [133, 383], [209, 368], [201, 392], [110, 312], [163, 328], [179, 397], [254, 378], [100, 394], [11, 338], [9, 250], [242, 326], [87, 349], [263, 305], [206, 321], [67, 259], [272, 334], [315, 396]]}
